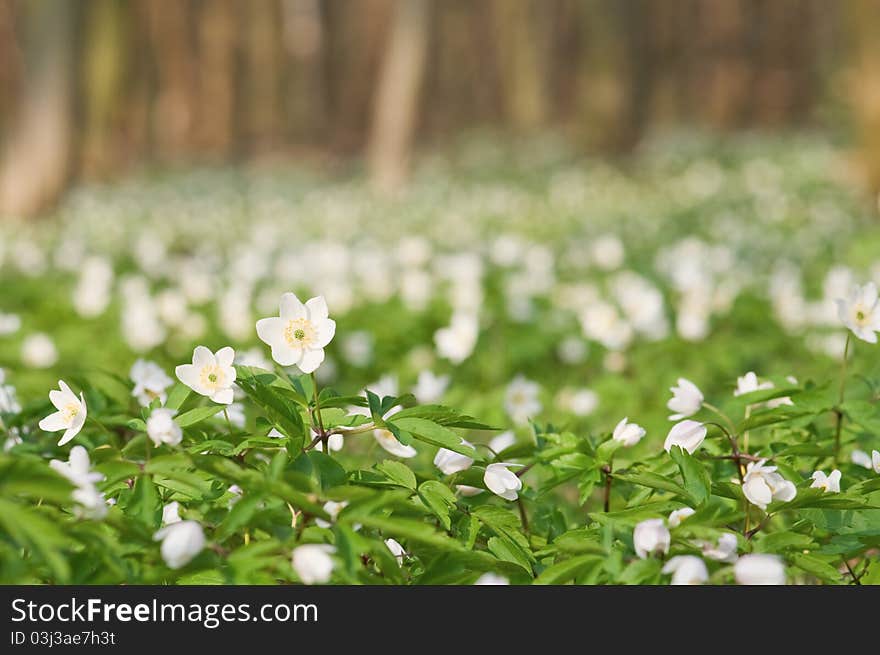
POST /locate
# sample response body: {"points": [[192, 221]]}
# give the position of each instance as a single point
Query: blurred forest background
{"points": [[90, 89]]}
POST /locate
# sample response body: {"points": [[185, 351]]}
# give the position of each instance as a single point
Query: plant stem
{"points": [[856, 579], [523, 515], [724, 416], [838, 411], [608, 478], [321, 432], [228, 422]]}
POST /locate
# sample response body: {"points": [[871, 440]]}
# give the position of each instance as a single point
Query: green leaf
{"points": [[177, 396], [398, 473], [439, 499], [436, 435], [197, 415], [32, 530], [696, 478], [144, 503], [569, 569], [239, 516], [654, 481]]}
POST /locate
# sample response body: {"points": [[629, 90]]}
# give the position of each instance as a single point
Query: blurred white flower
{"points": [[92, 293], [71, 414], [651, 537], [607, 252], [396, 550], [312, 563], [629, 434], [150, 382], [332, 508], [77, 468], [171, 513], [429, 387], [580, 402], [161, 427], [748, 383], [759, 569], [300, 333], [8, 399], [861, 458], [521, 399], [572, 350], [456, 342], [724, 550], [686, 400], [679, 515], [875, 461], [253, 357], [9, 324], [829, 483], [449, 461], [686, 570], [501, 481], [762, 485], [859, 312], [502, 441], [210, 374], [688, 435], [181, 542], [38, 351], [492, 579], [357, 348]]}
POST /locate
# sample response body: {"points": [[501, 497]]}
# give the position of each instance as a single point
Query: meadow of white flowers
{"points": [[526, 369]]}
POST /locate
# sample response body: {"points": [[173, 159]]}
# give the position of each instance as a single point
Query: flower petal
{"points": [[317, 307], [290, 307]]}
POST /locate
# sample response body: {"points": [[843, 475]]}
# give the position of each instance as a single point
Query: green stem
{"points": [[321, 432], [608, 479], [725, 417], [228, 422], [838, 411]]}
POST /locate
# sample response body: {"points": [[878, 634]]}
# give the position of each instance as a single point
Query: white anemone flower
{"points": [[875, 461], [488, 579], [724, 550], [748, 383], [688, 435], [861, 458], [396, 549], [449, 461], [686, 570], [71, 414], [77, 468], [312, 563], [161, 427], [762, 485], [181, 542], [299, 334], [429, 387], [686, 400], [521, 399], [829, 483], [150, 382], [759, 569], [651, 537], [171, 513], [860, 313], [501, 481], [629, 434], [210, 374], [677, 516]]}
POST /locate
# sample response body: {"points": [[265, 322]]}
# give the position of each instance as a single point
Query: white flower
{"points": [[748, 383], [689, 435], [332, 508], [629, 434], [580, 402], [449, 461], [724, 551], [651, 537], [686, 570], [396, 550], [501, 481], [38, 351], [502, 441], [875, 461], [77, 468], [299, 334], [686, 400], [830, 483], [521, 399], [759, 569], [456, 342], [467, 491], [312, 563], [181, 542], [429, 387], [762, 484], [383, 437], [861, 458], [334, 443], [161, 427], [8, 401], [679, 515], [210, 374], [859, 312], [491, 579], [171, 513], [150, 382], [71, 414]]}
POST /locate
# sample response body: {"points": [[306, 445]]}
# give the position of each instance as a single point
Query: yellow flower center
{"points": [[70, 411], [299, 333], [212, 377]]}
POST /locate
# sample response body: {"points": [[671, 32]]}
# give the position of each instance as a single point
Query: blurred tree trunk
{"points": [[35, 161], [863, 84], [218, 29], [10, 62], [305, 95], [261, 83], [395, 111], [520, 59]]}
